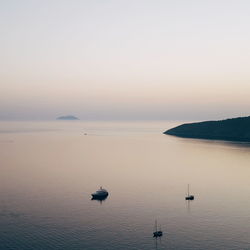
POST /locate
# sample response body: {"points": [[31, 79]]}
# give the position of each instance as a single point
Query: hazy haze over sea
{"points": [[49, 170], [126, 59]]}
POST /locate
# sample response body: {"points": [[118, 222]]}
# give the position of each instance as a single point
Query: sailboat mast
{"points": [[188, 189], [155, 225]]}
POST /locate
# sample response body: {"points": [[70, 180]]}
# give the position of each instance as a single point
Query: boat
{"points": [[189, 197], [157, 233], [100, 194]]}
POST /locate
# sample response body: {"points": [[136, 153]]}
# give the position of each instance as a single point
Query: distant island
{"points": [[235, 129], [67, 117]]}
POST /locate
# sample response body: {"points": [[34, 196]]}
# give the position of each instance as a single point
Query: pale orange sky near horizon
{"points": [[125, 59]]}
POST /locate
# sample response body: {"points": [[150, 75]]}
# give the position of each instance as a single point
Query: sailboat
{"points": [[157, 233], [189, 197]]}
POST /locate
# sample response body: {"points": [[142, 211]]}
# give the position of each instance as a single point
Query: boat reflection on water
{"points": [[158, 244], [188, 206], [99, 199]]}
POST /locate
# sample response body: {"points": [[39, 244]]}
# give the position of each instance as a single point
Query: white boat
{"points": [[100, 194]]}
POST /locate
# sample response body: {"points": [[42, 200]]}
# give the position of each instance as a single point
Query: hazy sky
{"points": [[129, 59]]}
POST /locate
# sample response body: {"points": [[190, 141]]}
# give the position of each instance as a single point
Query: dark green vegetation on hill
{"points": [[235, 129], [67, 117]]}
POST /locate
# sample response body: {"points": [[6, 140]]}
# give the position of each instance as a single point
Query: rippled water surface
{"points": [[49, 170]]}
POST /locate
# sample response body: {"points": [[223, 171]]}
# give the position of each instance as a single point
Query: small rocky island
{"points": [[67, 117], [235, 129]]}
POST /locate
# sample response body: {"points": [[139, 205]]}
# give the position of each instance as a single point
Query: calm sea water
{"points": [[49, 170]]}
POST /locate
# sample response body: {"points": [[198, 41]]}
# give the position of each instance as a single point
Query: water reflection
{"points": [[157, 243], [188, 207], [99, 199]]}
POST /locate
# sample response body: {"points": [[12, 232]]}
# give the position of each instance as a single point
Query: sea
{"points": [[48, 170]]}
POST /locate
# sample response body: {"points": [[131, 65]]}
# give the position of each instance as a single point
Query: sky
{"points": [[124, 59]]}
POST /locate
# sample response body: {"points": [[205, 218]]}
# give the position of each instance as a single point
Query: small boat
{"points": [[189, 197], [157, 233], [100, 194]]}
